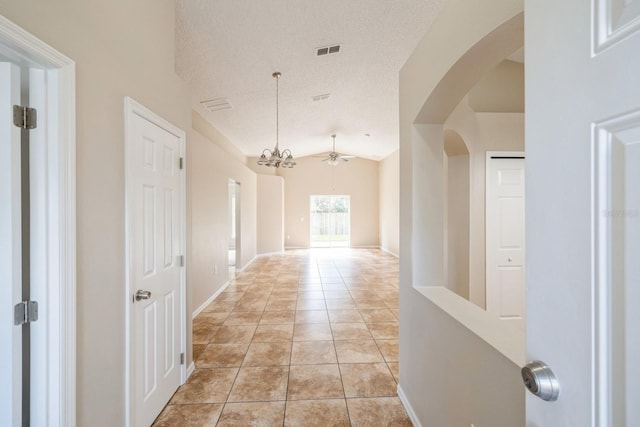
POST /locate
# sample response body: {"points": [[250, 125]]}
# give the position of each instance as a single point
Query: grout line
{"points": [[271, 284]]}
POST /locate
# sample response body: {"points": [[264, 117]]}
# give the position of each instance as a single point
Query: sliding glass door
{"points": [[330, 222]]}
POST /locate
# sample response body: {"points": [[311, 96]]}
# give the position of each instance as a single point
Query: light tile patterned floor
{"points": [[308, 338]]}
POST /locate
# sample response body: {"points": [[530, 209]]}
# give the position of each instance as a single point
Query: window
{"points": [[330, 222]]}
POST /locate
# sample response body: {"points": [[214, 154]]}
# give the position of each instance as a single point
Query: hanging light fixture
{"points": [[276, 158]]}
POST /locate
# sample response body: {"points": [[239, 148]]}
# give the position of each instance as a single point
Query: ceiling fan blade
{"points": [[347, 157]]}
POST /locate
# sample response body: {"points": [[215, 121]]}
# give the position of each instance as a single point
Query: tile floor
{"points": [[308, 338]]}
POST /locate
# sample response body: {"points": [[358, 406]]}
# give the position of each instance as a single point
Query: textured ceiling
{"points": [[229, 49]]}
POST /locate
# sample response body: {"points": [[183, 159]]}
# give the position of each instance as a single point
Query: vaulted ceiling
{"points": [[227, 50]]}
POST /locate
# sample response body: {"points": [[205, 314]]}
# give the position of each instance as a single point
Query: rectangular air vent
{"points": [[321, 51], [216, 104], [321, 97]]}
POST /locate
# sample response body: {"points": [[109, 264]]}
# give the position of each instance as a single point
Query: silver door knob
{"points": [[140, 295], [540, 380]]}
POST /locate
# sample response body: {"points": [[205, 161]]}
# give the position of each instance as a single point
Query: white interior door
{"points": [[505, 249], [155, 239], [10, 249], [583, 208]]}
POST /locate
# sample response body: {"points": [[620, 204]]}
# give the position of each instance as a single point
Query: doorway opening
{"points": [[234, 226], [37, 231], [330, 221]]}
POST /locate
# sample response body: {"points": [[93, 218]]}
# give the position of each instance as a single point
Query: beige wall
{"points": [[357, 178], [210, 167], [229, 165], [457, 223], [482, 132], [389, 194], [270, 214], [439, 356], [204, 127], [117, 54], [500, 91]]}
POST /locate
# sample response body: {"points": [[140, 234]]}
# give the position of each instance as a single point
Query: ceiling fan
{"points": [[335, 158]]}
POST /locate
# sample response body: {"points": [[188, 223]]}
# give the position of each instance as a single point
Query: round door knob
{"points": [[540, 380], [509, 259], [140, 295]]}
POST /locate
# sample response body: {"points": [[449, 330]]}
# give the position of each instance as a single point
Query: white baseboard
{"points": [[190, 369], [240, 270], [408, 408], [210, 299], [270, 254], [389, 252]]}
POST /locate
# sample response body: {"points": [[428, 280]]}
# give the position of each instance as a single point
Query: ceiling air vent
{"points": [[322, 97], [217, 104], [321, 51]]}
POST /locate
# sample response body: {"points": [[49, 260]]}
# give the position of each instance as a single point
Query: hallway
{"points": [[308, 338]]}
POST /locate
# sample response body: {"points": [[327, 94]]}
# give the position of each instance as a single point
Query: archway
{"points": [[444, 338]]}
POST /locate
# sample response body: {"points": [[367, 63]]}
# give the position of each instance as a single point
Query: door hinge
{"points": [[181, 162], [181, 260], [25, 312], [182, 358], [25, 117]]}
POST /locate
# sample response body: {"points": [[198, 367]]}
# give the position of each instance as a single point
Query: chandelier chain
{"points": [[277, 109], [276, 158]]}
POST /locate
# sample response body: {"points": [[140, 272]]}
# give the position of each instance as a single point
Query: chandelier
{"points": [[276, 158]]}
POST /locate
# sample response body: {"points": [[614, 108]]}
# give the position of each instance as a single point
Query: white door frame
{"points": [[53, 271], [131, 108], [236, 219], [11, 336]]}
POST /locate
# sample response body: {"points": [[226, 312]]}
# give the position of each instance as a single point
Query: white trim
{"points": [[603, 135], [268, 254], [383, 249], [240, 270], [190, 369], [11, 273], [602, 34], [132, 107], [210, 299], [59, 227], [407, 406]]}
